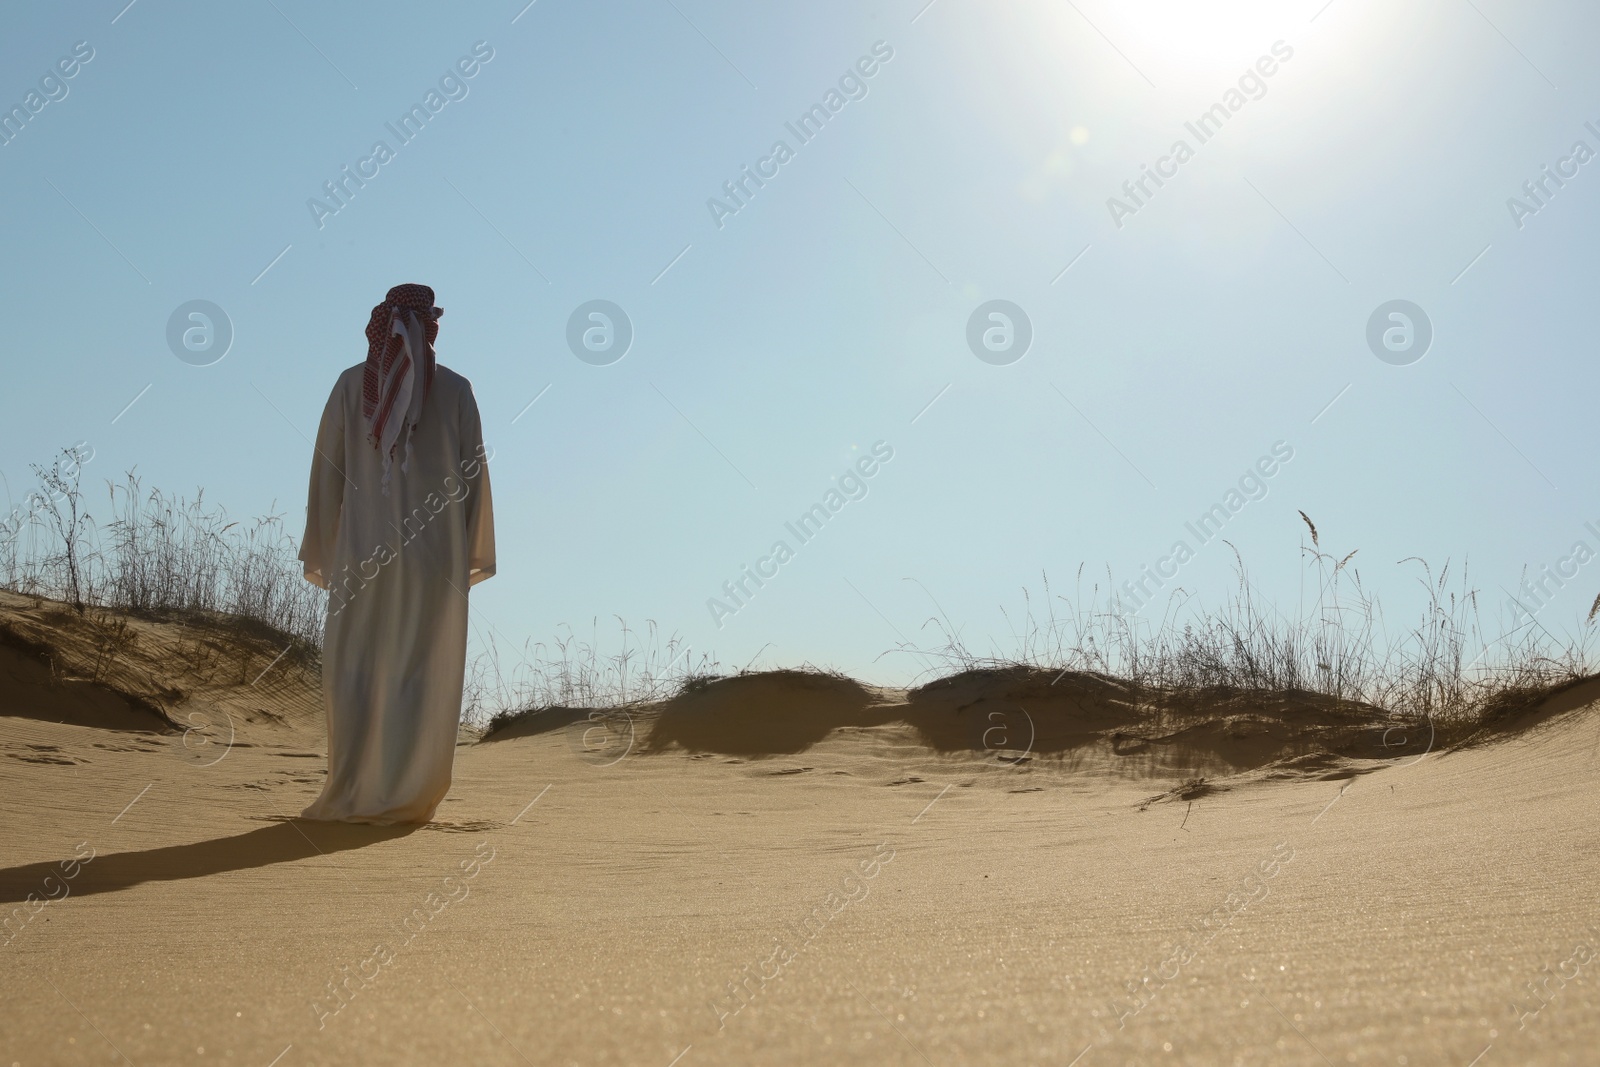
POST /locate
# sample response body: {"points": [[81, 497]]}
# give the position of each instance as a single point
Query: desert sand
{"points": [[789, 867]]}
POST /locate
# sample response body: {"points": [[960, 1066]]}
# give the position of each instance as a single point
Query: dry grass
{"points": [[1442, 669], [571, 672], [161, 555], [156, 555]]}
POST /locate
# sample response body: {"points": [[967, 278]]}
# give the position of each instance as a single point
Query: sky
{"points": [[1159, 346]]}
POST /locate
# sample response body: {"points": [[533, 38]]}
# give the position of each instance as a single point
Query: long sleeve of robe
{"points": [[397, 567]]}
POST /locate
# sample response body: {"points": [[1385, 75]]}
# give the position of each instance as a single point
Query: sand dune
{"points": [[1001, 867]]}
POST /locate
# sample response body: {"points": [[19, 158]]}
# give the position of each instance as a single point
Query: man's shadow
{"points": [[281, 842]]}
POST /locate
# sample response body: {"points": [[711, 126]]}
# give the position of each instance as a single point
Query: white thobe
{"points": [[397, 567]]}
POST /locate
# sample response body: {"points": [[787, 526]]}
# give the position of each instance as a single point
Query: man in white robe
{"points": [[399, 524]]}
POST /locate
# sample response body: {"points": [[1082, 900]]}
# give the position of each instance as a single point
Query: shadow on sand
{"points": [[282, 842]]}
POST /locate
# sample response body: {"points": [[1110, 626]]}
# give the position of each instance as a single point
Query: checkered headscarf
{"points": [[399, 369]]}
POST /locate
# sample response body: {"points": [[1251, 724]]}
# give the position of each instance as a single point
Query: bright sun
{"points": [[1185, 37]]}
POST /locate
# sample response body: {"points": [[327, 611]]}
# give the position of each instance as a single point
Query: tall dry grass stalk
{"points": [[1441, 668]]}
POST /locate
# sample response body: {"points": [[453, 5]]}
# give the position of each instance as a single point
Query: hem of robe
{"points": [[333, 810], [317, 811]]}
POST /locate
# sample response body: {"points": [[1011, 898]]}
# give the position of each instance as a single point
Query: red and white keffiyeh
{"points": [[399, 369]]}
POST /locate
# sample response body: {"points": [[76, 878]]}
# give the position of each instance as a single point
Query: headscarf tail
{"points": [[399, 370]]}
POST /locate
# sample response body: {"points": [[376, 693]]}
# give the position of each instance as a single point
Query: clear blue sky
{"points": [[1222, 316]]}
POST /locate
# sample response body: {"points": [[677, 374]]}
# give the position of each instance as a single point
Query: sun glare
{"points": [[1182, 38]]}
